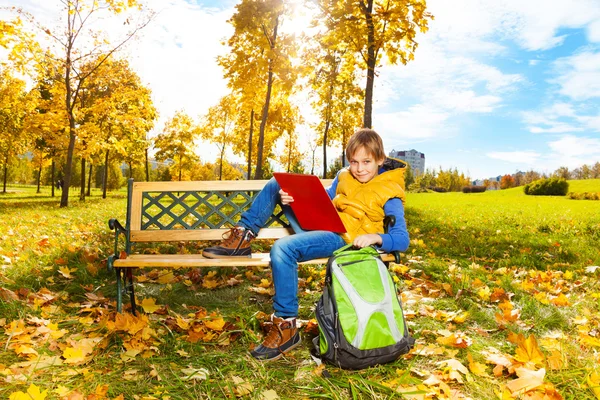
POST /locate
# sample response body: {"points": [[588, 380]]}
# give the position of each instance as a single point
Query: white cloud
{"points": [[418, 123], [533, 24], [574, 146], [579, 75], [517, 157], [560, 117]]}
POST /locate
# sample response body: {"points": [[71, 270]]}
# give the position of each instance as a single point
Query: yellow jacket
{"points": [[360, 205]]}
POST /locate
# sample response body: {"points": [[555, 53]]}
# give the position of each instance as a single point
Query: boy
{"points": [[364, 193]]}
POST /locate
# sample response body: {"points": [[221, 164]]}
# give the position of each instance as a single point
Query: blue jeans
{"points": [[289, 250]]}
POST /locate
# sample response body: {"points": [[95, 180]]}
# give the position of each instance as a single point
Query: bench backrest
{"points": [[195, 210]]}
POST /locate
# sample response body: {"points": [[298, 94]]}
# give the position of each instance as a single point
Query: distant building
{"points": [[415, 159], [493, 182]]}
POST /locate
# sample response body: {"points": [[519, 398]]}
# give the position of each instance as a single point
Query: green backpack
{"points": [[360, 318]]}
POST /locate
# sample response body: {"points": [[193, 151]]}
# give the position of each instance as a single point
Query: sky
{"points": [[497, 86]]}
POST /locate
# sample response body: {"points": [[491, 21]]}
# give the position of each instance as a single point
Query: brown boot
{"points": [[236, 243], [282, 337]]}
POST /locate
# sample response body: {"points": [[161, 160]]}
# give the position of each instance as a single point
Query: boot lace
{"points": [[232, 236], [274, 336]]}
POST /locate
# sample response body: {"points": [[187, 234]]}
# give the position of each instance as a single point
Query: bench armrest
{"points": [[389, 221], [116, 226]]}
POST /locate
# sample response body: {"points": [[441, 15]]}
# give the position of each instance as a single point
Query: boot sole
{"points": [[278, 356], [213, 256]]}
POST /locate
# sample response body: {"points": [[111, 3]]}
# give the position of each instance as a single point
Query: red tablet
{"points": [[312, 206]]}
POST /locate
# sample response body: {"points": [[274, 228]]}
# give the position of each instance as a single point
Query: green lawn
{"points": [[491, 279]]}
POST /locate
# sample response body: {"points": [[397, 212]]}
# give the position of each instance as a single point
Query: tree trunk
{"points": [[39, 178], [180, 166], [64, 199], [52, 175], [325, 133], [82, 183], [249, 176], [89, 185], [371, 60], [265, 111], [105, 175], [221, 165], [5, 173], [147, 167]]}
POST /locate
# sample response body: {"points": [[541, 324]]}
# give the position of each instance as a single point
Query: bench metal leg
{"points": [[129, 288], [125, 284], [119, 290]]}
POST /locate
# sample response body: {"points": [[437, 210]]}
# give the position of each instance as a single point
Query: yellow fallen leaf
{"points": [[527, 380], [197, 374], [166, 278], [209, 283], [73, 355], [149, 305], [33, 393], [528, 351], [66, 272], [241, 388], [561, 301], [269, 395], [476, 368], [454, 369], [593, 380], [216, 324]]}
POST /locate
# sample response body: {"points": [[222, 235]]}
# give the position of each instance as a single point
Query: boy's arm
{"points": [[332, 189], [397, 237]]}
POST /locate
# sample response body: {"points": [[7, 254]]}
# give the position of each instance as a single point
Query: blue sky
{"points": [[496, 86]]}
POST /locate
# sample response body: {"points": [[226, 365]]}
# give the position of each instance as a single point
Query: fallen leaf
{"points": [[241, 388], [476, 368], [269, 395], [528, 351], [149, 305], [527, 380], [593, 380], [33, 393], [196, 374]]}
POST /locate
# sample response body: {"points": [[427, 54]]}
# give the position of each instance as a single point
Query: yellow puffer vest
{"points": [[360, 205]]}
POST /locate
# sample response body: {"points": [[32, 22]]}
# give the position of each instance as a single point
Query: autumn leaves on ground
{"points": [[500, 289]]}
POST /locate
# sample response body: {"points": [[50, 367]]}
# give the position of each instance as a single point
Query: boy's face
{"points": [[363, 165]]}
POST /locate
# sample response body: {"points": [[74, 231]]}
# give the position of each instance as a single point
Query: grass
{"points": [[469, 253]]}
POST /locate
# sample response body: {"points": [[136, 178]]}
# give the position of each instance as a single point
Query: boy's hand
{"points": [[367, 240], [285, 198]]}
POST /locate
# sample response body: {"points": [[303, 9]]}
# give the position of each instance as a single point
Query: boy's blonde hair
{"points": [[370, 140]]}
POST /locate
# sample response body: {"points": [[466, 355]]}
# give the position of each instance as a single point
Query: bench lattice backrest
{"points": [[194, 210]]}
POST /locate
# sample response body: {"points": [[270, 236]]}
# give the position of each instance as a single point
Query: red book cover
{"points": [[312, 206]]}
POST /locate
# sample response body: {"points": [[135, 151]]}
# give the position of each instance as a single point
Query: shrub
{"points": [[474, 189], [584, 196], [547, 187], [438, 189]]}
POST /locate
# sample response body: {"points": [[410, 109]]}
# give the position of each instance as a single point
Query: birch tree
{"points": [[372, 29], [260, 57]]}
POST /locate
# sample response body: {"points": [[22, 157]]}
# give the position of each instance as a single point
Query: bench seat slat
{"points": [[176, 235], [196, 260]]}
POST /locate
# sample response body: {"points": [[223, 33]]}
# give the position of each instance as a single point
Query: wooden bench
{"points": [[188, 211]]}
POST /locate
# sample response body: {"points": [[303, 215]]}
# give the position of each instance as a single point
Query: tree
{"points": [[507, 182], [260, 60], [562, 172], [596, 170], [117, 113], [337, 96], [75, 49], [218, 126], [372, 29], [176, 142], [15, 105], [49, 123]]}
